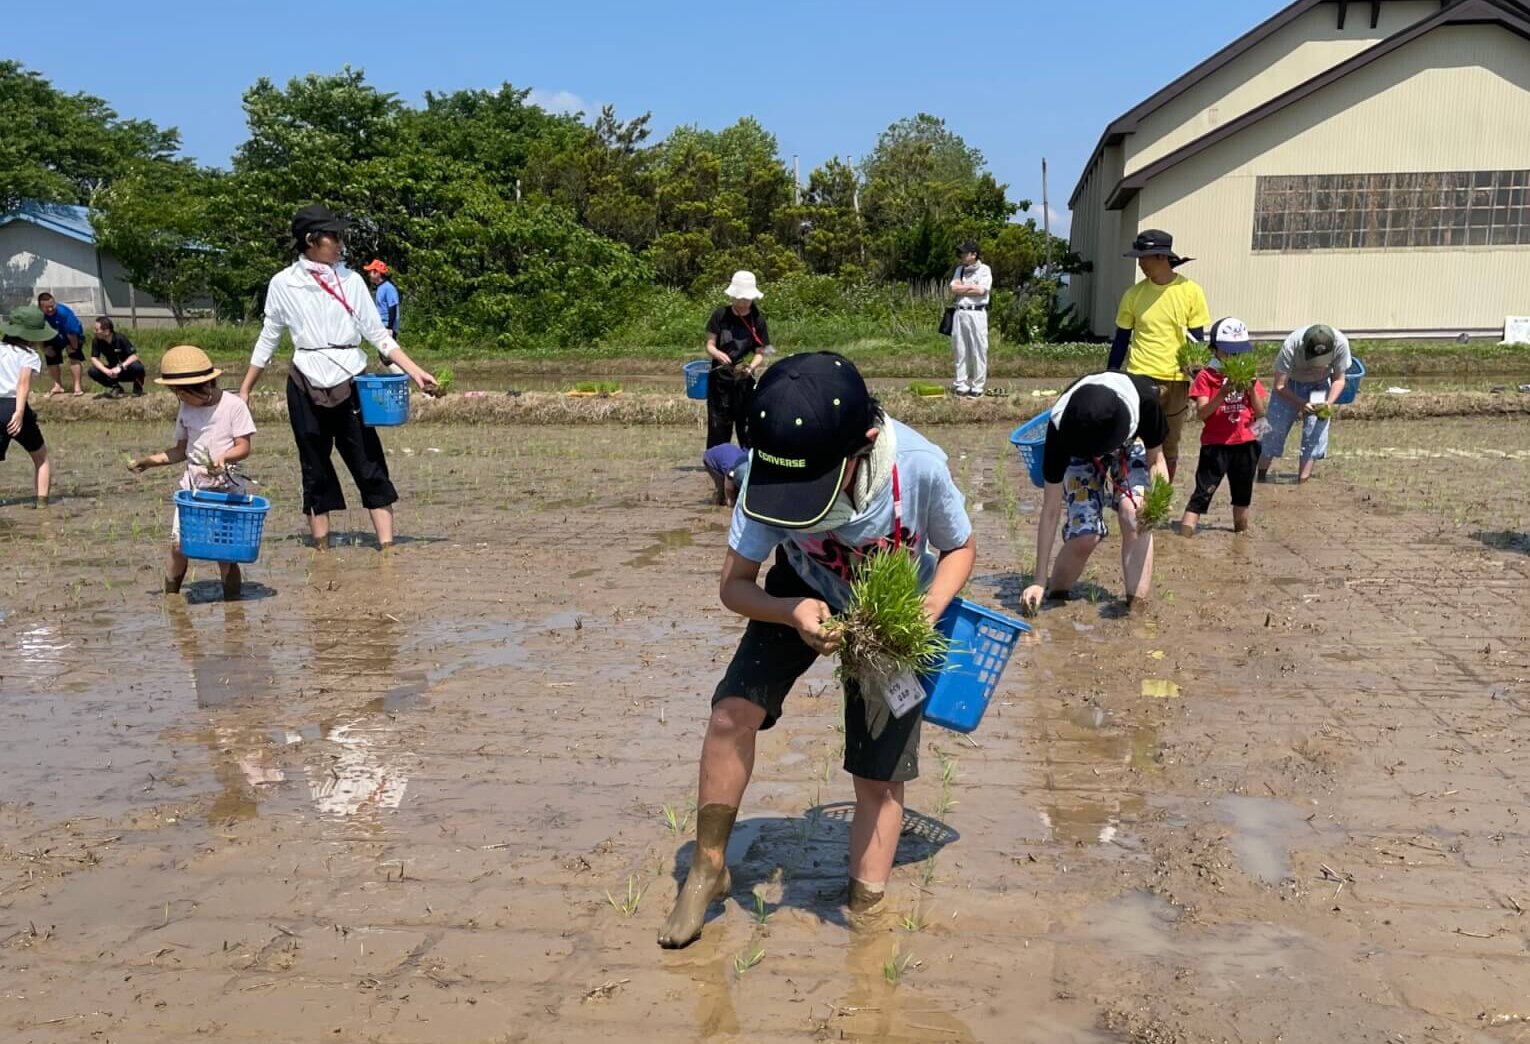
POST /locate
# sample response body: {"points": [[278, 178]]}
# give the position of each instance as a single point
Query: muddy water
{"points": [[421, 796]]}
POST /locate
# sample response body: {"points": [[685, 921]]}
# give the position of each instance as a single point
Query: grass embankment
{"points": [[913, 356], [639, 409]]}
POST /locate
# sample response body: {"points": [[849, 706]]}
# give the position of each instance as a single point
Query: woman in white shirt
{"points": [[328, 310]]}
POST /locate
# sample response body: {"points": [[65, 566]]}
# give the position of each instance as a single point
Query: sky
{"points": [[1020, 80]]}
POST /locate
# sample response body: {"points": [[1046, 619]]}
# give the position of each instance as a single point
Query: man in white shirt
{"points": [[328, 310], [971, 284]]}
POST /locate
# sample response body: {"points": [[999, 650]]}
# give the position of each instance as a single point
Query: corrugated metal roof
{"points": [[63, 218]]}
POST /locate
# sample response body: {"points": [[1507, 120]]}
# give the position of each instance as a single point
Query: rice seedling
{"points": [[601, 388], [629, 905], [896, 965], [445, 378], [1155, 503], [759, 914], [1241, 371], [913, 922], [677, 821], [927, 390], [746, 959], [1193, 356], [1323, 411], [885, 630]]}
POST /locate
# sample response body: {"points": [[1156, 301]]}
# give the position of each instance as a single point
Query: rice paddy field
{"points": [[446, 793]]}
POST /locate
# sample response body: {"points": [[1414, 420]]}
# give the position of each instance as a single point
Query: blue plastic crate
{"points": [[696, 378], [221, 527], [384, 399], [1030, 439], [1352, 378], [981, 644]]}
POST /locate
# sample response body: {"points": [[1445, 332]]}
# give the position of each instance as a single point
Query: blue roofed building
{"points": [[52, 247]]}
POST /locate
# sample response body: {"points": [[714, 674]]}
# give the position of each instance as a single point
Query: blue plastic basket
{"points": [[221, 527], [1352, 378], [981, 643], [1030, 439], [696, 378], [384, 399]]}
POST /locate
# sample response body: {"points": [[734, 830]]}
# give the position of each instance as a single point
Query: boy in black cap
{"points": [[831, 478], [1104, 444]]}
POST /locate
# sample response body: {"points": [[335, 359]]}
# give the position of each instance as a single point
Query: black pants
{"points": [[1236, 463], [133, 373], [727, 406], [319, 431]]}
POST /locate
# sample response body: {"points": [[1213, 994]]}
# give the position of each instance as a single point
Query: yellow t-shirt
{"points": [[1159, 318]]}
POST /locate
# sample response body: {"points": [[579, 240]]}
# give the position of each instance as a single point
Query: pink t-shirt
{"points": [[214, 429]]}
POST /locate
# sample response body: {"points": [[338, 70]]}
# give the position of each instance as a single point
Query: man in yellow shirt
{"points": [[1155, 317]]}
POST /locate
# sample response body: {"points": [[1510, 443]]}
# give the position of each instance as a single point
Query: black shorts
{"points": [[769, 660], [53, 352], [30, 436], [1236, 463]]}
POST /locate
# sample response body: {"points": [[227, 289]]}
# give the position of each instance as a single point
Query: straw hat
{"points": [[186, 364], [743, 287]]}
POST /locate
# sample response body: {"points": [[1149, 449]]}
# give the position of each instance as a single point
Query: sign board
{"points": [[1516, 329]]}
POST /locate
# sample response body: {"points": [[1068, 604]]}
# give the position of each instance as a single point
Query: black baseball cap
{"points": [[807, 418], [1318, 341], [316, 217], [1095, 422], [1155, 242]]}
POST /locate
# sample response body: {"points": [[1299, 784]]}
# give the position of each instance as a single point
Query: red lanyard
{"points": [[1110, 476], [750, 327], [897, 511], [338, 292]]}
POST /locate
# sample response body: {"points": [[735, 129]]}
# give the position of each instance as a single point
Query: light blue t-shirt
{"points": [[387, 297], [934, 520]]}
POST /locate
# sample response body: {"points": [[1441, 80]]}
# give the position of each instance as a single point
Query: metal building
{"points": [[1364, 163], [52, 247]]}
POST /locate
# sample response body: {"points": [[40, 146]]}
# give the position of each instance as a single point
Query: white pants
{"points": [[969, 347]]}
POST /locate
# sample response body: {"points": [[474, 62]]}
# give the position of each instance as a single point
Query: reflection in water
{"points": [[42, 646], [1082, 807], [364, 776], [876, 1009], [227, 666]]}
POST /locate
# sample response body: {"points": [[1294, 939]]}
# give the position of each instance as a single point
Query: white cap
{"points": [[744, 287], [1230, 335]]}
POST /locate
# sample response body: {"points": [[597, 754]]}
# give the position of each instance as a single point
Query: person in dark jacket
{"points": [[735, 333]]}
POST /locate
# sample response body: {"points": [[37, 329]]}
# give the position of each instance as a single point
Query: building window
{"points": [[1376, 211]]}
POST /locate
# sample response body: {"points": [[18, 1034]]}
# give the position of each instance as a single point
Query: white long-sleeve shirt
{"points": [[295, 302]]}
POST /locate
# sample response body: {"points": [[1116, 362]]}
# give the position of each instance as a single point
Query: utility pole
{"points": [[1046, 222], [796, 181], [517, 190]]}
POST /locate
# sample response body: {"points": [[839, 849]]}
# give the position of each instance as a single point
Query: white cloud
{"points": [[558, 101], [1060, 220]]}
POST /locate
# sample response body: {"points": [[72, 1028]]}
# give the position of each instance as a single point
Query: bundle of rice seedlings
{"points": [[885, 630], [602, 388], [1154, 509], [1193, 356], [445, 378], [1241, 370], [1323, 411], [218, 477], [931, 390]]}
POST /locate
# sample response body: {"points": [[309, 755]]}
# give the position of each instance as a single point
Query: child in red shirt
{"points": [[1229, 446]]}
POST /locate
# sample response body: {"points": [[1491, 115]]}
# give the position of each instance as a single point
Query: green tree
{"points": [[827, 227], [153, 218], [61, 148]]}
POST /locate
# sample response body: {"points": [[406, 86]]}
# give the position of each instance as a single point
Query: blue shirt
{"points": [[723, 459], [934, 520], [65, 322], [387, 297]]}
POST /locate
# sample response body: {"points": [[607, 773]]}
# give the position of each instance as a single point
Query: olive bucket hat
{"points": [[186, 364], [27, 324]]}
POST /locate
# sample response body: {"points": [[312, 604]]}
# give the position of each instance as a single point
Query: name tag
{"points": [[904, 693]]}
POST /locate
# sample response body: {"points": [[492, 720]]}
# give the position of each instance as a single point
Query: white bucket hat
{"points": [[743, 287]]}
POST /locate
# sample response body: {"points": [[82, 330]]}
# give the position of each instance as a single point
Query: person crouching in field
{"points": [[722, 463], [1229, 447], [1104, 443], [19, 338], [831, 478], [212, 431]]}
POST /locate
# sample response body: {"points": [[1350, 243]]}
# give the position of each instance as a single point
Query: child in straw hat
{"points": [[212, 431]]}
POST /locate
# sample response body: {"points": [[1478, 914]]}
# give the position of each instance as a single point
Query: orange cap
{"points": [[376, 265]]}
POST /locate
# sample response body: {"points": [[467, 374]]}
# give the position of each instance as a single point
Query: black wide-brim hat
{"points": [[1155, 242], [807, 418], [316, 217]]}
